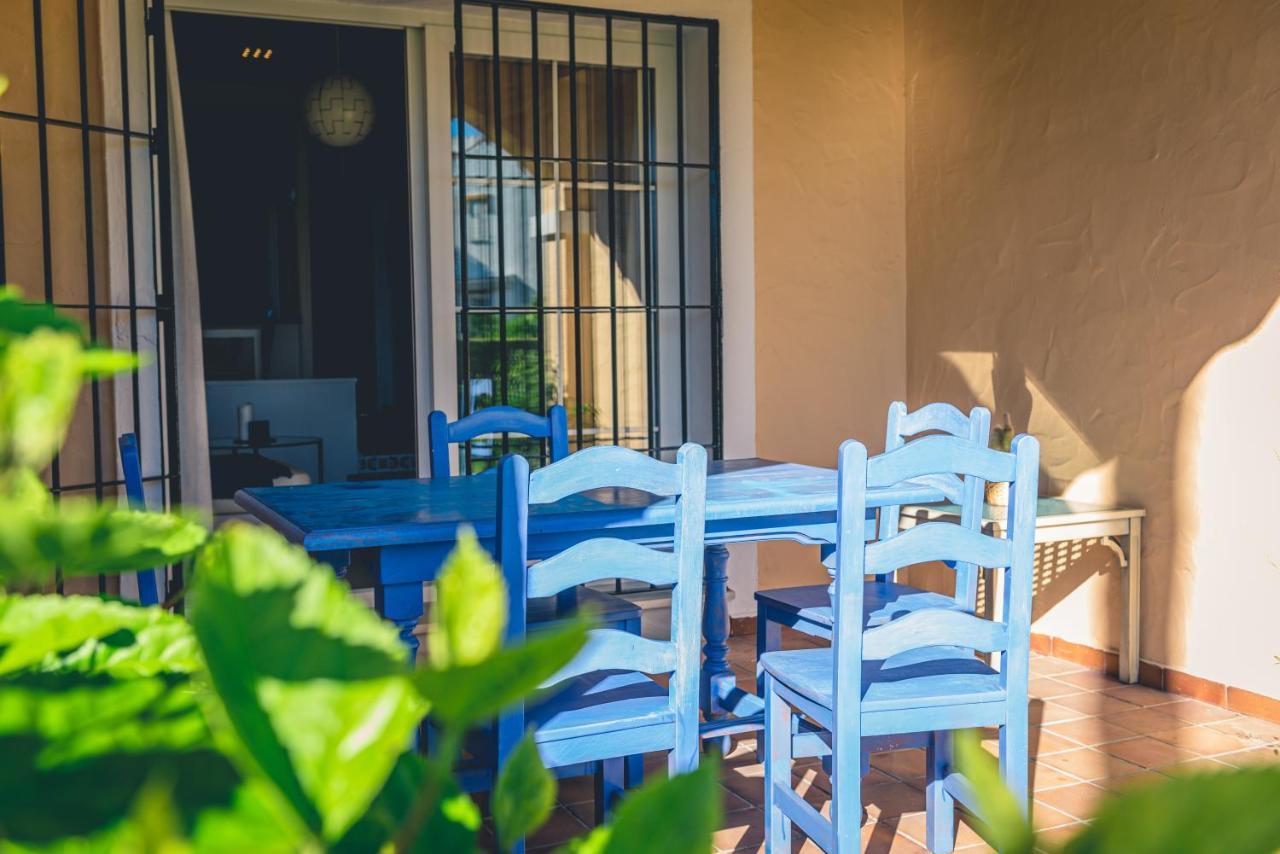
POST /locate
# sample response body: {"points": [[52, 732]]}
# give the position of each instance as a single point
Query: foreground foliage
{"points": [[281, 716]]}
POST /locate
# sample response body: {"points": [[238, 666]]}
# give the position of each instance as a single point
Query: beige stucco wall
{"points": [[830, 239], [1093, 245]]}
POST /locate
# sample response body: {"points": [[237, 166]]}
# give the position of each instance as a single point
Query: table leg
{"points": [[717, 675], [402, 605], [1131, 591]]}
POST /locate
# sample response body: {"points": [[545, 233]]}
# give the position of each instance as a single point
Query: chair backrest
{"points": [[967, 492], [1012, 554], [608, 558], [131, 465], [554, 427]]}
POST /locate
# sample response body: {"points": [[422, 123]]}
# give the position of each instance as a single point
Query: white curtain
{"points": [[193, 423]]}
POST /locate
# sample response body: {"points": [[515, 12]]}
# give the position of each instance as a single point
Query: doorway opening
{"points": [[296, 139]]}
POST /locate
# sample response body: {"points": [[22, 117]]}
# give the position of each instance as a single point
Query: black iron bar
{"points": [[680, 236], [577, 250], [649, 174], [540, 299], [717, 296], [612, 210], [495, 78]]}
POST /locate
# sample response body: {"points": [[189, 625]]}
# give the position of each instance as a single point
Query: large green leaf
{"points": [[1003, 818], [1232, 810], [470, 613], [22, 317], [678, 815], [315, 685], [452, 825], [42, 363], [88, 635], [83, 537], [40, 378], [97, 698], [524, 795], [464, 695]]}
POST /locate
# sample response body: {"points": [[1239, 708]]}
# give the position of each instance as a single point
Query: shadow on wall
{"points": [[1092, 204], [1198, 444]]}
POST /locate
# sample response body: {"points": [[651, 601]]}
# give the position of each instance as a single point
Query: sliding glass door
{"points": [[586, 254]]}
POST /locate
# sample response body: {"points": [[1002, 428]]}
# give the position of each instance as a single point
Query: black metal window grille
{"points": [[83, 167], [589, 140]]}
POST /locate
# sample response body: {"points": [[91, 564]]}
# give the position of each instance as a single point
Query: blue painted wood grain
{"points": [[131, 466], [554, 427], [747, 499], [917, 672], [601, 715], [814, 618]]}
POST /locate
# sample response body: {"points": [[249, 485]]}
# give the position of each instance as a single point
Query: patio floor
{"points": [[1089, 734]]}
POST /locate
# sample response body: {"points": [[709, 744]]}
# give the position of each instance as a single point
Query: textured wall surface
{"points": [[1093, 244], [830, 261]]}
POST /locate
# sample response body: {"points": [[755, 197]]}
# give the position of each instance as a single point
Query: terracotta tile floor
{"points": [[1094, 735]]}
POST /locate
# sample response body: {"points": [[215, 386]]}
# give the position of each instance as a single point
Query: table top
{"points": [[1049, 512], [335, 516]]}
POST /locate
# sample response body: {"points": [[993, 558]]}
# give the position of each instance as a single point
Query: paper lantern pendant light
{"points": [[339, 110]]}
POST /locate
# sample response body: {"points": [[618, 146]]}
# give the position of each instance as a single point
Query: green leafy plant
{"points": [[1198, 813], [281, 715]]}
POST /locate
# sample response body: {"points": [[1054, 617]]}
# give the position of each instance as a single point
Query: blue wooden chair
{"points": [[807, 608], [611, 610], [915, 673], [608, 711], [554, 428], [131, 464]]}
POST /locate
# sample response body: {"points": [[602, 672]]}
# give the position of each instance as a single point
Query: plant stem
{"points": [[424, 803]]}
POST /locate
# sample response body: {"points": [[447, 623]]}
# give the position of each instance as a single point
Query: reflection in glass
{"points": [[568, 234]]}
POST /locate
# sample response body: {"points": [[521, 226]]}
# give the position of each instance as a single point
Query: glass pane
{"points": [[695, 60], [664, 208], [662, 65], [628, 91], [669, 381], [697, 236], [592, 92], [698, 375]]}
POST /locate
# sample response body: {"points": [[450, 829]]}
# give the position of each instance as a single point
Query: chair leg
{"points": [[610, 783], [768, 639], [940, 806], [846, 795], [634, 770], [777, 768], [1014, 758]]}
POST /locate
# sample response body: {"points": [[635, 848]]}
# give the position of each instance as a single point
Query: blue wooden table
{"points": [[410, 525]]}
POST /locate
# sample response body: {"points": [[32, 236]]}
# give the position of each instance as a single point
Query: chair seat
{"points": [[601, 702], [608, 609], [884, 601], [924, 678]]}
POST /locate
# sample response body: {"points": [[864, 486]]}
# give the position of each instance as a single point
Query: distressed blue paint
{"points": [[748, 500], [554, 427], [131, 464], [606, 707], [916, 673], [808, 609]]}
